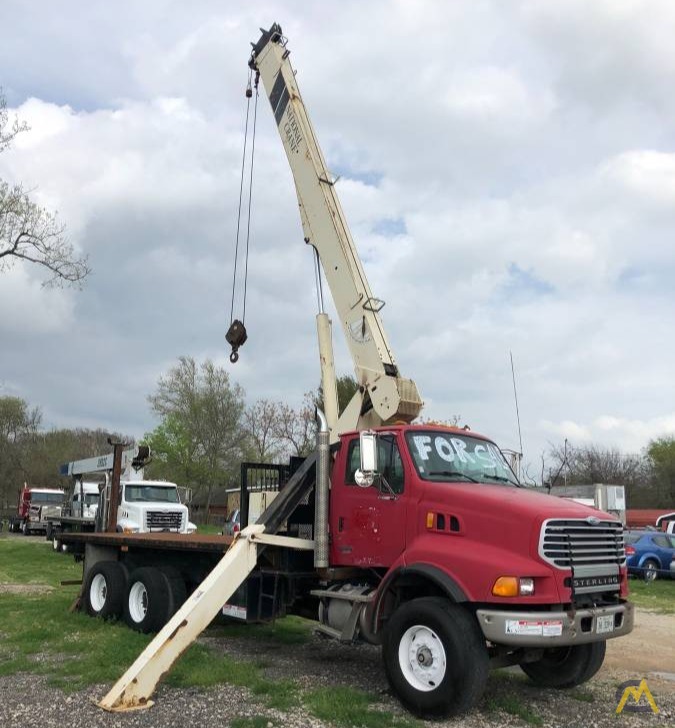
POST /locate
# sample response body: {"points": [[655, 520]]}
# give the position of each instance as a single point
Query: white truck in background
{"points": [[143, 506]]}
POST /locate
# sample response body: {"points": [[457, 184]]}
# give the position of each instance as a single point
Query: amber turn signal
{"points": [[505, 586]]}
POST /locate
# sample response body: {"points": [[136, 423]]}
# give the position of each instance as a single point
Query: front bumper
{"points": [[552, 629]]}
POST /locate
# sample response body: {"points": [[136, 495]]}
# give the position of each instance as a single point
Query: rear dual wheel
{"points": [[153, 596], [104, 589]]}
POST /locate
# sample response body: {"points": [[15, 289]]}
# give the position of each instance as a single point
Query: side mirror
{"points": [[365, 475]]}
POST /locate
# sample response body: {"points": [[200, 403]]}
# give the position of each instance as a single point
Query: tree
{"points": [[661, 455], [201, 436], [261, 421], [346, 386], [18, 426], [296, 428], [29, 232], [593, 464]]}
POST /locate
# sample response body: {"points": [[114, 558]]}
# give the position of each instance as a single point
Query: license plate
{"points": [[604, 624]]}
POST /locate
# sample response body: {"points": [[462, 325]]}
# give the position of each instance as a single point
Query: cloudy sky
{"points": [[507, 169]]}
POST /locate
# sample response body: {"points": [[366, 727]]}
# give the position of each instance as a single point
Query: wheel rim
{"points": [[650, 571], [98, 592], [138, 601], [421, 656]]}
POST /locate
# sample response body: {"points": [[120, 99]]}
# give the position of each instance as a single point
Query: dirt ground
{"points": [[649, 650], [27, 701]]}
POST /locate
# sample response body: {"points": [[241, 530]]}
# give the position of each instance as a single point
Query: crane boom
{"points": [[384, 396]]}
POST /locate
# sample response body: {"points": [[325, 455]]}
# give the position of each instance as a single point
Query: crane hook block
{"points": [[235, 337]]}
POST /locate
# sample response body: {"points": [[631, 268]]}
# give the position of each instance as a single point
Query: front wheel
{"points": [[435, 657], [565, 667]]}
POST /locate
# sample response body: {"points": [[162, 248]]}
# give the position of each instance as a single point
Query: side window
{"points": [[353, 461], [388, 457], [661, 541], [391, 465]]}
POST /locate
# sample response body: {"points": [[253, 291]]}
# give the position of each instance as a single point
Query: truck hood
{"points": [[502, 515], [514, 501]]}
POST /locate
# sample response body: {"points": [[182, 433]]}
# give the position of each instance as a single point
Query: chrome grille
{"points": [[163, 520], [572, 543]]}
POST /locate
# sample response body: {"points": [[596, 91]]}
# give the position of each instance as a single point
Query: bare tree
{"points": [[261, 421], [296, 428], [593, 464], [29, 232]]}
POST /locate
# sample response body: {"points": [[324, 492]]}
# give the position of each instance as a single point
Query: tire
{"points": [[566, 667], [448, 639], [24, 528], [150, 600], [177, 588], [650, 570], [56, 542], [104, 589], [48, 532]]}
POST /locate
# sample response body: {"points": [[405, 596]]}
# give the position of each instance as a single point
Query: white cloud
{"points": [[507, 174], [630, 435], [29, 310]]}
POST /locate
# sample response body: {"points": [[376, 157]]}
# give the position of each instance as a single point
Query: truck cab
{"points": [[442, 513], [34, 507], [146, 506], [85, 499]]}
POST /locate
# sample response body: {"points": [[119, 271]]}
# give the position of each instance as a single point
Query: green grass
{"points": [[39, 635], [583, 696], [659, 595], [34, 562], [288, 631], [352, 708], [209, 528], [258, 721], [513, 706]]}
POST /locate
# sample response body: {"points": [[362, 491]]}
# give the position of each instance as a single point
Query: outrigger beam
{"points": [[135, 688]]}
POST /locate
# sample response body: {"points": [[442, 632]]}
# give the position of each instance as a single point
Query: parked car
{"points": [[649, 554], [232, 523]]}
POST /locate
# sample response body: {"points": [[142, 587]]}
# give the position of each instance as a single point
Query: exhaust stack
{"points": [[322, 491]]}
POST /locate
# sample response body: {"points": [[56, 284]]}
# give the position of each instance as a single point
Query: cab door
{"points": [[368, 525]]}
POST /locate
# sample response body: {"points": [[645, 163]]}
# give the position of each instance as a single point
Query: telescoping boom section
{"points": [[384, 396]]}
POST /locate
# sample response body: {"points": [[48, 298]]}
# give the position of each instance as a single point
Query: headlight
{"points": [[513, 586]]}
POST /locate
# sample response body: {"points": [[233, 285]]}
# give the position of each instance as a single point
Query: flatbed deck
{"points": [[164, 540]]}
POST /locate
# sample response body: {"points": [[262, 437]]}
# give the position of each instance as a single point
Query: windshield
{"points": [[151, 493], [91, 499], [39, 498], [453, 457]]}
